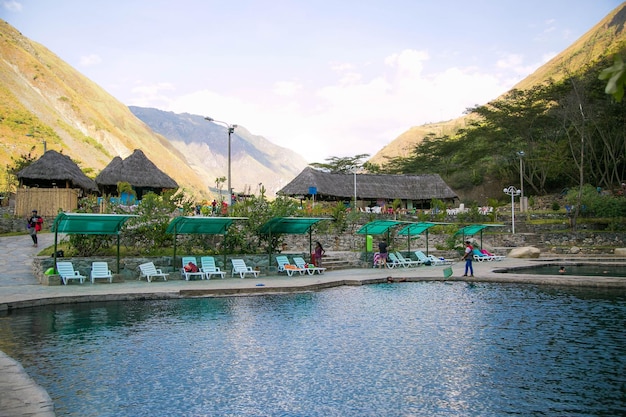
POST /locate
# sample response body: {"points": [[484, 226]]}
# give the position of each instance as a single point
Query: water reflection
{"points": [[388, 349]]}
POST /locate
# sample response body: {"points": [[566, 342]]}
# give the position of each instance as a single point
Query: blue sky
{"points": [[321, 77]]}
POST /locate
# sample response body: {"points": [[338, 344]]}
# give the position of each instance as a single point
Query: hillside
{"points": [[604, 39], [44, 100]]}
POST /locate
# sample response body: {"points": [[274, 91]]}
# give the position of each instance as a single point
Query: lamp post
{"points": [[354, 189], [521, 155], [512, 191], [231, 129]]}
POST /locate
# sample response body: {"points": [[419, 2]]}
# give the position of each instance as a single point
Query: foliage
{"points": [[125, 187], [566, 130], [616, 76], [597, 204], [345, 165]]}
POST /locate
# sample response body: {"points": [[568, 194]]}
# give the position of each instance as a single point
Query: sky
{"points": [[324, 78]]}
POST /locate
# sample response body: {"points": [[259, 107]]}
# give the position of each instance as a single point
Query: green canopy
{"points": [[377, 227], [89, 224], [475, 228], [416, 229], [199, 225], [290, 225]]}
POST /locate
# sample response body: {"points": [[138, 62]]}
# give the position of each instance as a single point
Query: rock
{"points": [[574, 250], [620, 252], [524, 252]]}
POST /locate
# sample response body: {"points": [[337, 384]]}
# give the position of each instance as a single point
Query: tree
{"points": [[344, 165]]}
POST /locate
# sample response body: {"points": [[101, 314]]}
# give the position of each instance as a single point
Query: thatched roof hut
{"points": [[55, 170], [138, 171], [413, 190]]}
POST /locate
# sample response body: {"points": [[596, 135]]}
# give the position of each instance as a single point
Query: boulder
{"points": [[524, 252], [620, 252], [574, 250]]}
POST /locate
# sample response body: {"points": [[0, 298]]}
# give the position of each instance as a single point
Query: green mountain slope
{"points": [[44, 100], [604, 39]]}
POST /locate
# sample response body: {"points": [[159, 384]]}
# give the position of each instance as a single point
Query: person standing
{"points": [[382, 250], [319, 252], [34, 225], [468, 259]]}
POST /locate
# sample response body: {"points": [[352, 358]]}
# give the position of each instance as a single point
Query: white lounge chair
{"points": [[66, 271], [407, 262], [481, 257], [209, 268], [100, 270], [285, 266], [240, 267], [300, 263], [187, 274], [430, 259], [149, 271], [393, 261]]}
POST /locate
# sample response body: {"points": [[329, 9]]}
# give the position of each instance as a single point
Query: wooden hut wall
{"points": [[47, 201]]}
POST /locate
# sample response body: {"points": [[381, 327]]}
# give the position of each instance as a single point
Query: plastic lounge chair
{"points": [[285, 266], [407, 262], [100, 270], [209, 268], [430, 259], [421, 256], [481, 257], [150, 271], [66, 271], [495, 257], [240, 267], [439, 261], [189, 274], [393, 261], [309, 268]]}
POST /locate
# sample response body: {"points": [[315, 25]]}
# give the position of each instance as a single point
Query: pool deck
{"points": [[20, 396]]}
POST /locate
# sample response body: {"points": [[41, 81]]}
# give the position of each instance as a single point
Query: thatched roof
{"points": [[137, 170], [54, 167], [369, 186]]}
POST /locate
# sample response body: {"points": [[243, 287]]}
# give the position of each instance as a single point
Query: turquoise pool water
{"points": [[403, 349], [587, 270]]}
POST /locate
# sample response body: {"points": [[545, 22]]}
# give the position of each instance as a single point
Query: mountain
{"points": [[605, 39], [254, 159], [45, 103]]}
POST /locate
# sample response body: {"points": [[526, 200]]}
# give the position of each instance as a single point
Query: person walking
{"points": [[34, 225], [468, 259]]}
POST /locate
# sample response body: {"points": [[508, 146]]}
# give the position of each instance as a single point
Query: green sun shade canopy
{"points": [[475, 228], [415, 228], [377, 227], [90, 224], [290, 225], [198, 225]]}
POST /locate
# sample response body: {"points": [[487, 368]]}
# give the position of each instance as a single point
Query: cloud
{"points": [[353, 112], [12, 6], [90, 60], [286, 88]]}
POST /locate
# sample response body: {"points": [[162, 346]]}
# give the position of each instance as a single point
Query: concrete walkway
{"points": [[20, 396]]}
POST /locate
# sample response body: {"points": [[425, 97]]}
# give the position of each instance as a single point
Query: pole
{"points": [[355, 190], [230, 190], [512, 212]]}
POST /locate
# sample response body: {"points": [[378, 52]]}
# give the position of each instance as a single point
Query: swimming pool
{"points": [[574, 269], [398, 349]]}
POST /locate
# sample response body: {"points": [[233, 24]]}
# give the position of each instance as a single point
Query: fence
{"points": [[47, 201]]}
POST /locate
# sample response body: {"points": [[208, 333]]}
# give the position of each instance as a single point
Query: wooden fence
{"points": [[47, 201]]}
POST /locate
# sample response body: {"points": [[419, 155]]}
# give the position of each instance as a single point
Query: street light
{"points": [[521, 155], [231, 129], [512, 191]]}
